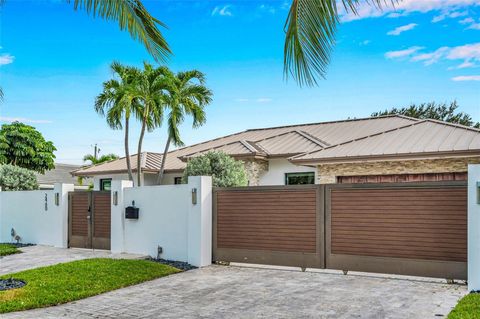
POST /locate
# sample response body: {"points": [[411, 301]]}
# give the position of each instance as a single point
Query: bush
{"points": [[14, 178], [225, 171]]}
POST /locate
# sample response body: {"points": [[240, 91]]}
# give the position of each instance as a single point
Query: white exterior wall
{"points": [[473, 228], [277, 169], [25, 212], [167, 218]]}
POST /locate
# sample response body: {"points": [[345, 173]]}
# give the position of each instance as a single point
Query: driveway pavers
{"points": [[245, 292]]}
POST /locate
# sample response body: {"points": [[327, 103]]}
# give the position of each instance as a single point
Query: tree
{"points": [[310, 35], [132, 16], [14, 178], [184, 97], [102, 159], [225, 170], [22, 145], [150, 93], [117, 102], [432, 110]]}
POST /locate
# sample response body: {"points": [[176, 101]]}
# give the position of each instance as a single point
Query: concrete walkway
{"points": [[39, 256], [241, 292]]}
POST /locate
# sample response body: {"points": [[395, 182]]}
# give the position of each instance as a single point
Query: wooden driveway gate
{"points": [[408, 228], [89, 219]]}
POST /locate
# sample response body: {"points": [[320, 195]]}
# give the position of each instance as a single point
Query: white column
{"points": [[117, 231], [200, 221], [473, 227], [61, 211]]}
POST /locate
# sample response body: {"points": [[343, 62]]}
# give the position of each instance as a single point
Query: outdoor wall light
{"points": [[57, 199], [115, 198], [46, 202], [194, 196]]}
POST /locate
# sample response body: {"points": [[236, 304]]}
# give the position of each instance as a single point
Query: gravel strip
{"points": [[177, 264], [11, 283]]}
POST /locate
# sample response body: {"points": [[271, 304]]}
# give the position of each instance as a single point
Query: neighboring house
{"points": [[62, 174], [378, 149]]}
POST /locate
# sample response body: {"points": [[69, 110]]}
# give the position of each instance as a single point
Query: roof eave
{"points": [[391, 157]]}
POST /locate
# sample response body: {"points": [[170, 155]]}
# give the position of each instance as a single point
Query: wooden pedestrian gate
{"points": [[89, 219], [407, 228]]}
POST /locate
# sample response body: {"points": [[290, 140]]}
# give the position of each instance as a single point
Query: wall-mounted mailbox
{"points": [[131, 212]]}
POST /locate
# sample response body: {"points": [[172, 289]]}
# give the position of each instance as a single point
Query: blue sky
{"points": [[53, 61]]}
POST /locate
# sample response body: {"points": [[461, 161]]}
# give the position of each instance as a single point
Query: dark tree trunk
{"points": [[139, 153]]}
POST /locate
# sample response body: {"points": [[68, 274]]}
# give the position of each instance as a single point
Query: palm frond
{"points": [[132, 16], [310, 36]]}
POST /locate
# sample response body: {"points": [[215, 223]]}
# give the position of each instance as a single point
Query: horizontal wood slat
{"points": [[417, 223], [271, 220], [79, 206], [102, 215]]}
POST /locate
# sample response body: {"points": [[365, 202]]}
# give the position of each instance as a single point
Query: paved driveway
{"points": [[240, 292]]}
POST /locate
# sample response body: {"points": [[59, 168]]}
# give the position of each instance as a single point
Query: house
{"points": [[379, 149], [62, 174]]}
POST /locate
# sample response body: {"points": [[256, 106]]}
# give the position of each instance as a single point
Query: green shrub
{"points": [[225, 171], [14, 178]]}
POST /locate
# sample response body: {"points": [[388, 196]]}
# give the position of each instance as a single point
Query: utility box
{"points": [[131, 212]]}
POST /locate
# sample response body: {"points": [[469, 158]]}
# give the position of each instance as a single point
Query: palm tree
{"points": [[117, 102], [132, 16], [98, 160], [310, 36], [187, 95], [150, 92], [1, 94]]}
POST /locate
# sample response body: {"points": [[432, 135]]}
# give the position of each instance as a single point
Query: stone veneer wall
{"points": [[254, 170], [327, 173]]}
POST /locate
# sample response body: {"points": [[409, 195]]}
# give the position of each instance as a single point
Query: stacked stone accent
{"points": [[255, 169], [327, 173]]}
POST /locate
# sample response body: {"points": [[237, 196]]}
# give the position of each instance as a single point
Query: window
{"points": [[299, 178], [106, 184], [177, 180]]}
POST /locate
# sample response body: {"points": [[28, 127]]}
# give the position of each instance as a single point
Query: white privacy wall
{"points": [[35, 223], [473, 228], [167, 218]]}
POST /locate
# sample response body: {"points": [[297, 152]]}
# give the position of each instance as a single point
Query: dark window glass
{"points": [[106, 184], [299, 178], [177, 180]]}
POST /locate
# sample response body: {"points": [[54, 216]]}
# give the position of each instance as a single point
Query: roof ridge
{"points": [[312, 138], [454, 124], [361, 138], [337, 121]]}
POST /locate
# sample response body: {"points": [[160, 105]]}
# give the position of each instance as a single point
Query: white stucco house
{"points": [[378, 149]]}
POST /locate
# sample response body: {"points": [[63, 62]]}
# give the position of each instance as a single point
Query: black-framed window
{"points": [[177, 180], [303, 178], [105, 184]]}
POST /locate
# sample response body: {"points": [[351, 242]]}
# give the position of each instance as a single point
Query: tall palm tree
{"points": [[118, 102], [187, 95], [310, 35], [132, 16], [150, 92], [98, 160], [1, 94]]}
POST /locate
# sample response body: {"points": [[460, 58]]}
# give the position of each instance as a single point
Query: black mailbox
{"points": [[131, 212]]}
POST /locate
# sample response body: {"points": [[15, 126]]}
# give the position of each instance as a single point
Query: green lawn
{"points": [[467, 308], [8, 249], [57, 284]]}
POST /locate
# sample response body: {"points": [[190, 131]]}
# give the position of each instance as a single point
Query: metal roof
{"points": [[60, 174], [426, 138], [283, 141]]}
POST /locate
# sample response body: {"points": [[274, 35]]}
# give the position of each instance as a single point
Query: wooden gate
{"points": [[415, 229], [407, 228], [89, 219], [269, 225]]}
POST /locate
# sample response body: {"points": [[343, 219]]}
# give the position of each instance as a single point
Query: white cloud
{"points": [[466, 78], [222, 11], [365, 42], [264, 100], [241, 100], [6, 59], [468, 53], [401, 29], [267, 8], [466, 21], [474, 26], [23, 120], [446, 14], [405, 7], [402, 53]]}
